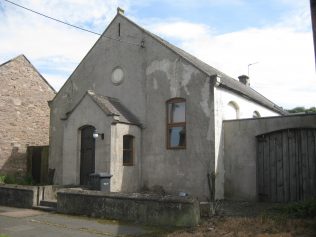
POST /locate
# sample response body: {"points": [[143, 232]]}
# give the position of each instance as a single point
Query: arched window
{"points": [[128, 150], [231, 111], [176, 124], [256, 114]]}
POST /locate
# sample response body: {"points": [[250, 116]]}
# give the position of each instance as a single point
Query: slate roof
{"points": [[111, 107], [225, 82]]}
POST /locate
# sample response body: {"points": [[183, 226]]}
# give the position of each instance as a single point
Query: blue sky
{"points": [[227, 34]]}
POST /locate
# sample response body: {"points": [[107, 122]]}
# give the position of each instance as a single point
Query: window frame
{"points": [[132, 150], [177, 124]]}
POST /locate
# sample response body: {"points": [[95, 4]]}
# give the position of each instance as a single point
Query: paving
{"points": [[17, 222]]}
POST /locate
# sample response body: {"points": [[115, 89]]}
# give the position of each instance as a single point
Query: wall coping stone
{"points": [[130, 196]]}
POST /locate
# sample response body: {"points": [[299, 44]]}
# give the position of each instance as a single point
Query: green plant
{"points": [[2, 178], [16, 179], [10, 179], [305, 209]]}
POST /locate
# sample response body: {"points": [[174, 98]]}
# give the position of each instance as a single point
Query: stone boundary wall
{"points": [[140, 208], [26, 196], [18, 196]]}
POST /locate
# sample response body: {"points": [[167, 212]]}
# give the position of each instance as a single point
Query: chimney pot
{"points": [[244, 80]]}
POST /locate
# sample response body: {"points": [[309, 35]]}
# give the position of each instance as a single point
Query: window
{"points": [[231, 111], [176, 131], [256, 114], [128, 150]]}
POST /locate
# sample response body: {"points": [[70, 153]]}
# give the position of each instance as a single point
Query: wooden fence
{"points": [[37, 163], [286, 165]]}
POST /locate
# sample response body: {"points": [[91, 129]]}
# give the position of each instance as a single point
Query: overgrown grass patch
{"points": [[303, 209]]}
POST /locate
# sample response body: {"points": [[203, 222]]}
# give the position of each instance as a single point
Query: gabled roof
{"points": [[111, 107], [225, 82], [32, 66]]}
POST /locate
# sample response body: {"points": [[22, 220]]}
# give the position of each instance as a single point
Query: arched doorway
{"points": [[87, 154]]}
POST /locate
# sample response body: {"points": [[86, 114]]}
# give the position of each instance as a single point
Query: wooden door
{"points": [[286, 165], [87, 154]]}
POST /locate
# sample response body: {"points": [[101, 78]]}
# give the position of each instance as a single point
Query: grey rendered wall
{"points": [[240, 150], [154, 74], [86, 113], [168, 76], [125, 178], [94, 72]]}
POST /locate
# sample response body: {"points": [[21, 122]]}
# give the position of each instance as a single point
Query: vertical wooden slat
{"points": [[44, 165], [313, 166], [29, 154], [304, 163], [279, 168], [266, 171], [292, 161], [273, 169], [309, 155], [286, 165], [260, 167], [299, 165]]}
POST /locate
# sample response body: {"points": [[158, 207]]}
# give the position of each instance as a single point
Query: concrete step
{"points": [[45, 208], [49, 203]]}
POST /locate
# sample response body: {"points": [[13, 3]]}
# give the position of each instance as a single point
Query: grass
{"points": [[286, 220], [2, 235], [249, 227]]}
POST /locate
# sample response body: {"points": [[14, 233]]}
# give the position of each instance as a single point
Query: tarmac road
{"points": [[17, 222]]}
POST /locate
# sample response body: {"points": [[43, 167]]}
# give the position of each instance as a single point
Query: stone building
{"points": [[148, 113], [24, 112]]}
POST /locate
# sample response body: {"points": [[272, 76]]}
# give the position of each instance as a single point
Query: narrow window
{"points": [[231, 111], [256, 114], [119, 29], [176, 124], [128, 150]]}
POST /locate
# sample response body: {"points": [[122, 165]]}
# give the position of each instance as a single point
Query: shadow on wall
{"points": [[15, 164]]}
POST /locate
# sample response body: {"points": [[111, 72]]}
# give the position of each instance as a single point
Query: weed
{"points": [[2, 178], [305, 209], [16, 179]]}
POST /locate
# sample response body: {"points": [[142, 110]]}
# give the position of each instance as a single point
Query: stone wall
{"points": [[24, 113], [141, 208], [18, 196]]}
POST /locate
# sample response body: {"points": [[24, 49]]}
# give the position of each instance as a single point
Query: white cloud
{"points": [[54, 49], [181, 30], [286, 70]]}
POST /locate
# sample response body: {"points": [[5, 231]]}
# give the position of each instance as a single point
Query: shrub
{"points": [[305, 209]]}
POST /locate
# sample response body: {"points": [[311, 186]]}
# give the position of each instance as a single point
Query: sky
{"points": [[274, 36]]}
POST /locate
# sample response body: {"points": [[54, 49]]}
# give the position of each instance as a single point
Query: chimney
{"points": [[244, 80]]}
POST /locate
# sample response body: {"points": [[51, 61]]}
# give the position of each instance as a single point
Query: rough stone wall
{"points": [[24, 113], [140, 208]]}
